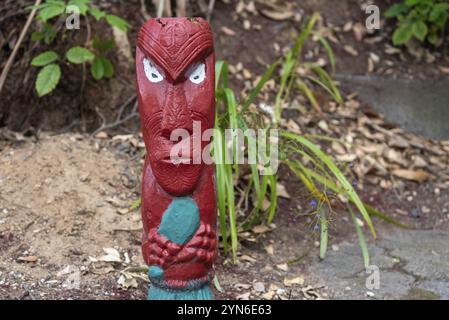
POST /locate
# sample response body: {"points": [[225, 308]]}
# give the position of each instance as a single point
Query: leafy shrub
{"points": [[420, 19], [49, 13]]}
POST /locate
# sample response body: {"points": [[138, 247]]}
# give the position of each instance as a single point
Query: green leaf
{"points": [[50, 12], [136, 204], [396, 10], [97, 69], [108, 67], [420, 30], [103, 46], [411, 3], [97, 13], [433, 38], [47, 79], [78, 55], [217, 284], [81, 4], [44, 58], [117, 22], [48, 3], [402, 34], [37, 36]]}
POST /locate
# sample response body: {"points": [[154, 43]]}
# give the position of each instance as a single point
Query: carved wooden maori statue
{"points": [[175, 67]]}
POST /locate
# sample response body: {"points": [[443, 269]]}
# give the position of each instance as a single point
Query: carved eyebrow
{"points": [[174, 67], [163, 65]]}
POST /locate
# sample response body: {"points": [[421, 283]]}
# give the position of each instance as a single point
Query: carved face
{"points": [[175, 79]]}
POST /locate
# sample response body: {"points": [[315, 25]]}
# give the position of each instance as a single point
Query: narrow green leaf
{"points": [[47, 79], [265, 77], [323, 233], [273, 198], [347, 187], [362, 241], [44, 58], [217, 284], [330, 53]]}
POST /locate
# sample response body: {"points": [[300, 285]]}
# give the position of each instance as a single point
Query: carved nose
{"points": [[175, 114]]}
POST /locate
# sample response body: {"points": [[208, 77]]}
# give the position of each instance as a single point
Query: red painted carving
{"points": [[172, 96]]}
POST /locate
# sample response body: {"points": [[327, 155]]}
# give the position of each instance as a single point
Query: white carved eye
{"points": [[152, 73], [197, 73]]}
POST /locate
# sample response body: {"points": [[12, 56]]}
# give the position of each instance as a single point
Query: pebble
{"points": [[425, 209], [259, 286], [414, 213]]}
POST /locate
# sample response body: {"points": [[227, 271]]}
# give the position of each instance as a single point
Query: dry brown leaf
{"points": [[101, 135], [227, 31], [281, 191], [395, 157], [103, 270], [112, 255], [413, 175], [346, 157], [293, 126], [27, 259], [277, 15], [338, 148], [283, 267], [350, 50], [243, 296], [260, 229], [444, 70], [310, 293], [126, 281], [247, 258], [359, 31], [294, 281], [269, 295], [270, 249]]}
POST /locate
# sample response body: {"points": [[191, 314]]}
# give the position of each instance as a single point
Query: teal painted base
{"points": [[204, 293]]}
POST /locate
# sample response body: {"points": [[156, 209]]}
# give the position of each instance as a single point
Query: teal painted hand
{"points": [[156, 272], [180, 221]]}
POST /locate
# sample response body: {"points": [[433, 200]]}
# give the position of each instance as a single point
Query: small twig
{"points": [[210, 9], [168, 12], [160, 8], [88, 37], [122, 108], [17, 46], [118, 121], [181, 8], [143, 10]]}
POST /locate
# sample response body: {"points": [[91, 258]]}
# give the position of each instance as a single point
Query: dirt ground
{"points": [[66, 230], [66, 198]]}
